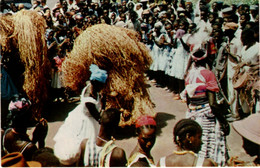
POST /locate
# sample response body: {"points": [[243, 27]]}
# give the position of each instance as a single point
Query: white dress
{"points": [[156, 55], [180, 59], [77, 126]]}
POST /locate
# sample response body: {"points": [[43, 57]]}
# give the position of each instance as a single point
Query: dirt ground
{"points": [[169, 111]]}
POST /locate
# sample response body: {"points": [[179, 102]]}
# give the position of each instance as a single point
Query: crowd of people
{"points": [[201, 53]]}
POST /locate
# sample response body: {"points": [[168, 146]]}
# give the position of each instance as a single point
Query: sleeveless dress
{"points": [[78, 125], [135, 157], [98, 156]]}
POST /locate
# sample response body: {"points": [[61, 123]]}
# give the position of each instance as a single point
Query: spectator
{"points": [[15, 138], [104, 152], [46, 157], [200, 89], [187, 137], [248, 129], [146, 131]]}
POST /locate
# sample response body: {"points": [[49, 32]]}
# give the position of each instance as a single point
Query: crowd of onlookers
{"points": [[227, 34], [169, 28]]}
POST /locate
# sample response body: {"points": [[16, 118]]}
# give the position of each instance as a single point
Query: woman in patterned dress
{"points": [[201, 86]]}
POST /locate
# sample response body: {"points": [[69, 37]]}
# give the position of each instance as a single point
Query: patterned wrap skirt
{"points": [[213, 139]]}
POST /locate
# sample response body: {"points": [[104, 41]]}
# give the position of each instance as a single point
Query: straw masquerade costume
{"points": [[22, 38], [119, 52]]}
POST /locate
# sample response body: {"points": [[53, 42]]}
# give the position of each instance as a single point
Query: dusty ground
{"points": [[169, 111]]}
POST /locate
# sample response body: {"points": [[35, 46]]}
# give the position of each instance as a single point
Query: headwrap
{"points": [[145, 120], [199, 58], [19, 104], [97, 74]]}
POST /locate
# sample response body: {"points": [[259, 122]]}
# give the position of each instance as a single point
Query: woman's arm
{"points": [[93, 110], [185, 46]]}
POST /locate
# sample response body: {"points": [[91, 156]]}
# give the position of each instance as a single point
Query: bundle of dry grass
{"points": [[6, 31], [124, 57], [27, 30]]}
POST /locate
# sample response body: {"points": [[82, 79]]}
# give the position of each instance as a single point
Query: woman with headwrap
{"points": [[200, 88], [82, 122], [146, 131]]}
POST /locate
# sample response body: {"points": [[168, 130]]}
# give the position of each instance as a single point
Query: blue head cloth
{"points": [[97, 74]]}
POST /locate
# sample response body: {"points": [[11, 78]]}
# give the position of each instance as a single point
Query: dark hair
{"points": [[19, 117], [221, 20], [247, 16], [110, 117], [183, 127], [46, 157], [247, 36], [234, 18]]}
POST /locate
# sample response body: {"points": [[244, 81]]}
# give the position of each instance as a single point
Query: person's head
{"points": [[98, 77], [187, 135], [247, 37], [218, 36], [204, 13], [109, 119], [168, 28], [199, 57], [146, 131], [191, 28], [219, 20], [250, 25], [163, 17], [138, 6], [123, 17], [188, 7], [215, 7], [19, 114], [157, 28], [230, 29], [130, 6], [249, 129], [183, 24], [212, 17], [176, 25], [172, 17], [216, 26], [233, 18], [133, 16], [151, 20], [46, 157], [43, 2], [244, 18]]}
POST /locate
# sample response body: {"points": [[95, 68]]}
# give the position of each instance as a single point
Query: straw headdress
{"points": [[25, 31], [119, 52]]}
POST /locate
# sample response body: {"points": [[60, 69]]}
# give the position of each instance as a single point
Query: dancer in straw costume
{"points": [[22, 36], [119, 52]]}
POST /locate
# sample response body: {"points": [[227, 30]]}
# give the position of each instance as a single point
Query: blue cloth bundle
{"points": [[97, 74]]}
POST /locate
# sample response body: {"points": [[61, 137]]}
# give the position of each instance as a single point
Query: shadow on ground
{"points": [[58, 111], [129, 131], [161, 120]]}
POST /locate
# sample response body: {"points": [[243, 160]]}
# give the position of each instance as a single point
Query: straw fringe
{"points": [[27, 28], [125, 58]]}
